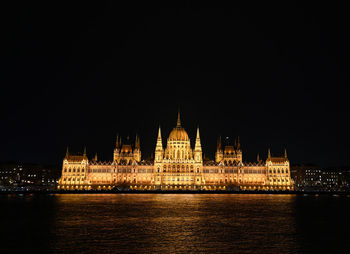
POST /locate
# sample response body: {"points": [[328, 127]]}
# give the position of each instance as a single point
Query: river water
{"points": [[174, 223]]}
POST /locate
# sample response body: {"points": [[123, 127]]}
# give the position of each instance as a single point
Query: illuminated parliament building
{"points": [[178, 166]]}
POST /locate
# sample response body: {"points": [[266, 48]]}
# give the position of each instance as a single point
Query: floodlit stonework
{"points": [[177, 167]]}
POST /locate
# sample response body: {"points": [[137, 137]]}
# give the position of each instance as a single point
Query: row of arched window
{"points": [[73, 179], [278, 171], [279, 181], [179, 154], [74, 170]]}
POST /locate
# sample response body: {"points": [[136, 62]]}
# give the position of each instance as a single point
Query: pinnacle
{"points": [[178, 120]]}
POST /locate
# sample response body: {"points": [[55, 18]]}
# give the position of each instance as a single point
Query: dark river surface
{"points": [[174, 223]]}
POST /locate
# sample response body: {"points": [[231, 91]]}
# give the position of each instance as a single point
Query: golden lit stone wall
{"points": [[100, 174], [234, 175], [171, 173], [134, 174], [178, 166], [254, 175], [278, 173], [271, 175], [73, 172]]}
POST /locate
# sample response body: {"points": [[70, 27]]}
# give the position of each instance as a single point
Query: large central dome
{"points": [[178, 133]]}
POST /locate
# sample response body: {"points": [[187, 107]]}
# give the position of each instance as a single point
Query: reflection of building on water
{"points": [[178, 166]]}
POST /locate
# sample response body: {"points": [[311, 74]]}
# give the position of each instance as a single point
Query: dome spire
{"points": [[178, 119]]}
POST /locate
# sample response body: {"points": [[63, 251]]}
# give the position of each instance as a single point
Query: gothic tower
{"points": [[198, 148], [137, 149], [159, 148], [219, 155]]}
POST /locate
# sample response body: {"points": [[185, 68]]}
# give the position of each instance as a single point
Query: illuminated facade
{"points": [[177, 167]]}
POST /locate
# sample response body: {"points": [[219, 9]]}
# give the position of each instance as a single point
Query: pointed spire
{"points": [[238, 146], [84, 151], [258, 158], [159, 133], [178, 119], [117, 141], [285, 153], [67, 152], [159, 145], [198, 141], [95, 158], [269, 154], [137, 142], [219, 145]]}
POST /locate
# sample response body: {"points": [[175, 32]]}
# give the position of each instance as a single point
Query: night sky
{"points": [[76, 74]]}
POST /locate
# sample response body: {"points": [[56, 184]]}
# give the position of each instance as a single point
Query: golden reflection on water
{"points": [[175, 222]]}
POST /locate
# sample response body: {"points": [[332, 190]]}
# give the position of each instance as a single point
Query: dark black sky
{"points": [[79, 73]]}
